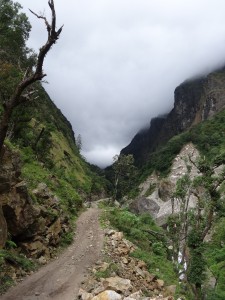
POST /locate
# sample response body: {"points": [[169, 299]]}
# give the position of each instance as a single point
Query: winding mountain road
{"points": [[61, 279]]}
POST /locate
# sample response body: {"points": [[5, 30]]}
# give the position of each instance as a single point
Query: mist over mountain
{"points": [[195, 100], [118, 62]]}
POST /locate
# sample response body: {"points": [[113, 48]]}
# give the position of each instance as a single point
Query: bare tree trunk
{"points": [[29, 77], [38, 138]]}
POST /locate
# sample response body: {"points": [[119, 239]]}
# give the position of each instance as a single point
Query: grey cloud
{"points": [[118, 62]]}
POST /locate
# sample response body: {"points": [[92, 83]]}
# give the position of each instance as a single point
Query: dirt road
{"points": [[61, 279]]}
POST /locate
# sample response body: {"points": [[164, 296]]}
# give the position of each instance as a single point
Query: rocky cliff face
{"points": [[195, 100], [156, 194], [35, 228]]}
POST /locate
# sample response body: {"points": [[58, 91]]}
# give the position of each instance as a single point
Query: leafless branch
{"points": [[44, 18]]}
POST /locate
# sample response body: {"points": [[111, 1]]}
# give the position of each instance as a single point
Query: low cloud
{"points": [[117, 63]]}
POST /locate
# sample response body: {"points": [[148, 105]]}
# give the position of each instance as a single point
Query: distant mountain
{"points": [[194, 101]]}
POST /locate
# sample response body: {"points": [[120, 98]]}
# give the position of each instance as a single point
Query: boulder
{"points": [[135, 296], [143, 204], [117, 236], [171, 290], [107, 295], [19, 212], [53, 233], [35, 249], [160, 283], [83, 295], [42, 191], [103, 267], [117, 284]]}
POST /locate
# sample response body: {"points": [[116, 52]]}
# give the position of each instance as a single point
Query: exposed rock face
{"points": [[3, 229], [36, 228], [160, 203], [9, 172], [195, 101], [143, 205], [19, 211]]}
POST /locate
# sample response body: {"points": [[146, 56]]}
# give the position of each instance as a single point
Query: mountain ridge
{"points": [[194, 101]]}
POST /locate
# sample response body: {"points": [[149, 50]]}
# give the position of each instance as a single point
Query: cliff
{"points": [[194, 101]]}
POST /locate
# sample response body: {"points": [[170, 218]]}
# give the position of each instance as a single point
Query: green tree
{"points": [[24, 77], [124, 173], [14, 32], [188, 227]]}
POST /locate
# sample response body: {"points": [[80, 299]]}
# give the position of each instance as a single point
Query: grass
{"points": [[16, 259], [67, 239], [158, 265], [215, 258], [152, 249], [10, 258], [208, 137], [112, 269]]}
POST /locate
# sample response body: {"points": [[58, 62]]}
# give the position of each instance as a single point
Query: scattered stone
{"points": [[42, 260], [83, 295], [130, 278], [160, 283], [110, 232], [116, 204], [141, 264], [137, 296], [118, 236], [103, 267], [125, 260], [107, 295]]}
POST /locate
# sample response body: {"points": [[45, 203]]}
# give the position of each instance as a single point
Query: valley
{"points": [[150, 226]]}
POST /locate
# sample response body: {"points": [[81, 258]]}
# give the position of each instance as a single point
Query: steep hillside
{"points": [[181, 177], [195, 101], [183, 190], [44, 180]]}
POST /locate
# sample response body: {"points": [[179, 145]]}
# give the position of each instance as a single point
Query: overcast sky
{"points": [[118, 62]]}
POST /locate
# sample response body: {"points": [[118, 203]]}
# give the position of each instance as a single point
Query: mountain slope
{"points": [[195, 101]]}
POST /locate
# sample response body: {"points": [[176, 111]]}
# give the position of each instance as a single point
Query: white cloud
{"points": [[118, 62]]}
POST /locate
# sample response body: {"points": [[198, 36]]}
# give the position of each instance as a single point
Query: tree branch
{"points": [[17, 97]]}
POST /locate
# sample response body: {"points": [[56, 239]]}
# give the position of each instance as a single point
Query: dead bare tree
{"points": [[20, 94]]}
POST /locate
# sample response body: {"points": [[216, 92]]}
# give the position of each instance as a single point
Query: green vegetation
{"points": [[16, 259], [112, 268], [42, 136], [208, 137], [124, 173], [39, 131], [67, 239], [215, 259], [8, 259], [150, 239]]}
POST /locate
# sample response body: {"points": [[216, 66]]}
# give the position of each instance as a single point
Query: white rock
{"points": [[107, 295], [117, 284]]}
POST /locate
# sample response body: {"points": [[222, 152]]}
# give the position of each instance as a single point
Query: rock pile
{"points": [[123, 276], [48, 228]]}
